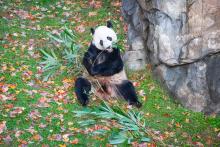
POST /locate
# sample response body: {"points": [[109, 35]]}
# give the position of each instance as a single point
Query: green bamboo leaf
{"points": [[132, 116], [44, 53], [107, 107], [119, 138], [49, 68], [47, 76], [82, 113], [53, 54], [139, 117], [70, 33], [145, 139], [117, 141], [99, 132], [130, 123], [131, 127], [144, 124], [105, 115], [130, 139], [125, 119], [86, 122], [57, 39]]}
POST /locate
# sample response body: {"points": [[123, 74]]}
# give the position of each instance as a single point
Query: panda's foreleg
{"points": [[127, 91], [82, 89]]}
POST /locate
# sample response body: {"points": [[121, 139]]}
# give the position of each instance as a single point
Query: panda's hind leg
{"points": [[82, 89], [127, 91]]}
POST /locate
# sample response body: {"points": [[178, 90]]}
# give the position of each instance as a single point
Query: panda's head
{"points": [[104, 37]]}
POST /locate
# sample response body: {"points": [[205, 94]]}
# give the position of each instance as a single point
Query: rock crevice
{"points": [[182, 40]]}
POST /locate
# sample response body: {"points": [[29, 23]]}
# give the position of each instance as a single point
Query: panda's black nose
{"points": [[109, 47], [101, 42]]}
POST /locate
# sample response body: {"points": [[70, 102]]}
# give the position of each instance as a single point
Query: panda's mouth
{"points": [[109, 49]]}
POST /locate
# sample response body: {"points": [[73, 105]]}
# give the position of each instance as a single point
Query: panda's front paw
{"points": [[136, 104], [84, 102]]}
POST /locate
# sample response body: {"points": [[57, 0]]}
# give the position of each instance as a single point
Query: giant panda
{"points": [[105, 74]]}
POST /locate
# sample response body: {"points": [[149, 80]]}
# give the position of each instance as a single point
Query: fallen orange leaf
{"points": [[75, 141], [36, 137]]}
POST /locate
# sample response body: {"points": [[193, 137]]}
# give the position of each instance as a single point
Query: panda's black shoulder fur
{"points": [[111, 65]]}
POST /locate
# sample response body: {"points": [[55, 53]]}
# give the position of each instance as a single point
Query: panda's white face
{"points": [[104, 37]]}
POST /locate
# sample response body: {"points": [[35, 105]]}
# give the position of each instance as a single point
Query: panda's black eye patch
{"points": [[101, 42], [109, 38]]}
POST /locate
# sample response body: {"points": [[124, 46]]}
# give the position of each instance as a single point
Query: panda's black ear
{"points": [[92, 31], [109, 24]]}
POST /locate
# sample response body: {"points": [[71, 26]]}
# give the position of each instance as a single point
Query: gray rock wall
{"points": [[181, 39]]}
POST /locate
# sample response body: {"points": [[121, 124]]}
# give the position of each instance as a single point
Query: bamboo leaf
{"points": [[145, 139], [119, 138], [117, 141], [99, 132], [131, 124], [57, 39], [82, 113], [86, 122], [69, 33], [132, 116]]}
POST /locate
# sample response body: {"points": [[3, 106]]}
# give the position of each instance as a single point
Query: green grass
{"points": [[176, 125]]}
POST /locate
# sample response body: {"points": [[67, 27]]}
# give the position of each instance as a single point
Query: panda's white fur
{"points": [[102, 33]]}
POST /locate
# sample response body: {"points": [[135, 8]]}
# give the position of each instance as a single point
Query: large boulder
{"points": [[181, 38]]}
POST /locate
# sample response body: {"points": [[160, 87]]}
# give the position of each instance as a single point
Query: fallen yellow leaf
{"points": [[187, 120]]}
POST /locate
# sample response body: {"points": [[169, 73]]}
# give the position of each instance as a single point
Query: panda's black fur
{"points": [[108, 69], [112, 61]]}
